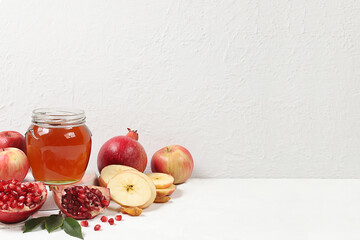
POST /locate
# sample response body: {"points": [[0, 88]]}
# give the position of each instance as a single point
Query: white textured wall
{"points": [[251, 88]]}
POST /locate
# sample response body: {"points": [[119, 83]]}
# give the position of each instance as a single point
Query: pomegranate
{"points": [[81, 202], [19, 200], [123, 150]]}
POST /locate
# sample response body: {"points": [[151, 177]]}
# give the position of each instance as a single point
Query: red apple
{"points": [[122, 150], [13, 164], [12, 139], [174, 160]]}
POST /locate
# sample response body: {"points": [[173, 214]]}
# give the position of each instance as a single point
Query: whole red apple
{"points": [[13, 164], [122, 150], [12, 139], [174, 160]]}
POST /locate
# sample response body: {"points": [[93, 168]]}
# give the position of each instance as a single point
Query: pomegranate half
{"points": [[81, 202], [19, 200]]}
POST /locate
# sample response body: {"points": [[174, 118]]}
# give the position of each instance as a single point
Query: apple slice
{"points": [[161, 180], [152, 186], [166, 191], [110, 171], [127, 188]]}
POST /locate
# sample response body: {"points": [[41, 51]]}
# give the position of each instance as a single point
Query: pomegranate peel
{"points": [[19, 200], [81, 202]]}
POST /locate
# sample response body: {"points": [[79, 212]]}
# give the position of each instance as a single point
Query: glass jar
{"points": [[58, 145]]}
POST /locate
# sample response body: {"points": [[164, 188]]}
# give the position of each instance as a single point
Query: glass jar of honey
{"points": [[58, 145]]}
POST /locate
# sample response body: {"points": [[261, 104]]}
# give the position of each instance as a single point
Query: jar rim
{"points": [[58, 117]]}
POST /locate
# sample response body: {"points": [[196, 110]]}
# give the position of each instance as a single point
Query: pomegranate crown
{"points": [[132, 134]]}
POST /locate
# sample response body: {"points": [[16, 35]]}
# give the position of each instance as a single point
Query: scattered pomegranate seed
{"points": [[97, 227], [111, 221], [118, 217], [103, 219], [84, 223]]}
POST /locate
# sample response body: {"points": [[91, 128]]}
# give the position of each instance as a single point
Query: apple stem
{"points": [[168, 149]]}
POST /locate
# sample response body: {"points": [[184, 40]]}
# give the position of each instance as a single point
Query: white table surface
{"points": [[234, 209]]}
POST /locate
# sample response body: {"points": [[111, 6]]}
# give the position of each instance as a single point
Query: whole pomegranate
{"points": [[19, 200], [123, 150], [81, 202]]}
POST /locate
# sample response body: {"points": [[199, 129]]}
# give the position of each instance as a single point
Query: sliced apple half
{"points": [[110, 171], [128, 188], [165, 191], [161, 180]]}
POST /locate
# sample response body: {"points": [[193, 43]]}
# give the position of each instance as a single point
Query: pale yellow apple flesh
{"points": [[161, 180], [127, 188], [110, 171]]}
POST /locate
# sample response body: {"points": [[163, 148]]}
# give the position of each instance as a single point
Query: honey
{"points": [[58, 146]]}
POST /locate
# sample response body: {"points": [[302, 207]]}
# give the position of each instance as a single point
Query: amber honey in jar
{"points": [[58, 145]]}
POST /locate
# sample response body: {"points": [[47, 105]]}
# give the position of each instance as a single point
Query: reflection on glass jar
{"points": [[58, 145]]}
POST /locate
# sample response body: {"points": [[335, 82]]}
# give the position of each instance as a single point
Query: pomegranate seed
{"points": [[21, 199], [13, 204], [5, 198], [14, 193], [97, 227], [22, 193], [5, 207], [37, 199], [103, 219], [82, 196], [29, 200], [118, 217], [20, 205], [30, 195], [83, 209], [104, 202], [84, 223], [111, 221]]}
